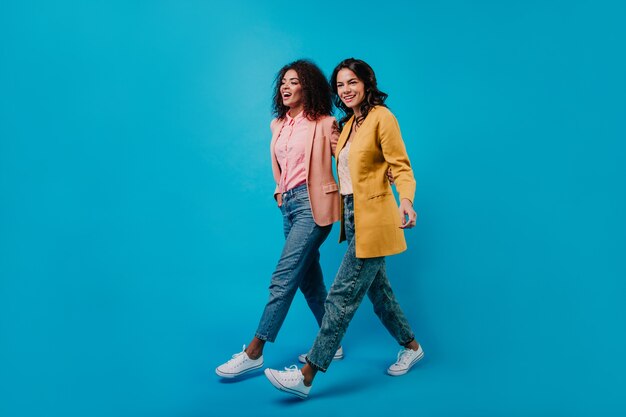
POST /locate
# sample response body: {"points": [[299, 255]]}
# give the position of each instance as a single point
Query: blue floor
{"points": [[161, 363]]}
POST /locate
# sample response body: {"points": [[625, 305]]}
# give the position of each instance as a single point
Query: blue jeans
{"points": [[298, 266], [355, 278]]}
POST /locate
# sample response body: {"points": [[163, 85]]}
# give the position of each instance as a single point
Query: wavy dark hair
{"points": [[373, 96], [316, 93]]}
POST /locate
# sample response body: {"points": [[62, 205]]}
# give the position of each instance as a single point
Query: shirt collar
{"points": [[293, 120]]}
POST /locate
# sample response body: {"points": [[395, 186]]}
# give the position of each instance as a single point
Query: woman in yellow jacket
{"points": [[370, 143]]}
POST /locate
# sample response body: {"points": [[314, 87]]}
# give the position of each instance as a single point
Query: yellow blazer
{"points": [[376, 146]]}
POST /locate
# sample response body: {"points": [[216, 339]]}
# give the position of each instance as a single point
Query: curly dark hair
{"points": [[373, 96], [316, 94]]}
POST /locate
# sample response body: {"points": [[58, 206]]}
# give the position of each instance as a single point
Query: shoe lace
{"points": [[292, 373], [404, 356], [237, 355]]}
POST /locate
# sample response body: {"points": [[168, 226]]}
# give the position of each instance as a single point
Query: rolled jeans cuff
{"points": [[407, 343], [265, 338], [314, 366]]}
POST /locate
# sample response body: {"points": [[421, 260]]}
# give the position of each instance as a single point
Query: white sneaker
{"points": [[338, 355], [406, 359], [238, 365], [290, 380]]}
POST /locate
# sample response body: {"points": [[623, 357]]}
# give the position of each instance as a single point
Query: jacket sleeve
{"points": [[395, 154], [272, 127], [333, 135]]}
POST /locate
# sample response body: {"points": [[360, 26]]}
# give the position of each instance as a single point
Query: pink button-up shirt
{"points": [[289, 150]]}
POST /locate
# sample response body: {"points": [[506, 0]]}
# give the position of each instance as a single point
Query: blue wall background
{"points": [[138, 231]]}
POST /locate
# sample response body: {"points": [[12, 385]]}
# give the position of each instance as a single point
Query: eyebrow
{"points": [[292, 78], [351, 79]]}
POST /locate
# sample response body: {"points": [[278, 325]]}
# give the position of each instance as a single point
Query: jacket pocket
{"points": [[330, 187], [378, 195]]}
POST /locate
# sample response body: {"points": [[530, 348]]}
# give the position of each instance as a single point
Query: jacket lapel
{"points": [[310, 135], [275, 133], [343, 137]]}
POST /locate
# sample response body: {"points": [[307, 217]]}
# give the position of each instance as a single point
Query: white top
{"points": [[343, 171]]}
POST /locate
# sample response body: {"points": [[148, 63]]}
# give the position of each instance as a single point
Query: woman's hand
{"points": [[279, 199], [406, 210], [390, 176]]}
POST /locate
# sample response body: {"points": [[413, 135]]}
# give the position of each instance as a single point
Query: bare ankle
{"points": [[254, 355], [309, 374], [413, 345], [255, 348]]}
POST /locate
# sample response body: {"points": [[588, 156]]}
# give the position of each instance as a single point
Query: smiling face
{"points": [[350, 89], [291, 90]]}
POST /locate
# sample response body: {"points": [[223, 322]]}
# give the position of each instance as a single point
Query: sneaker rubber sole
{"points": [[235, 375]]}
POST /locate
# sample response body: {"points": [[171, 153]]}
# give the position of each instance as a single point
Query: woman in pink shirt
{"points": [[304, 136]]}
